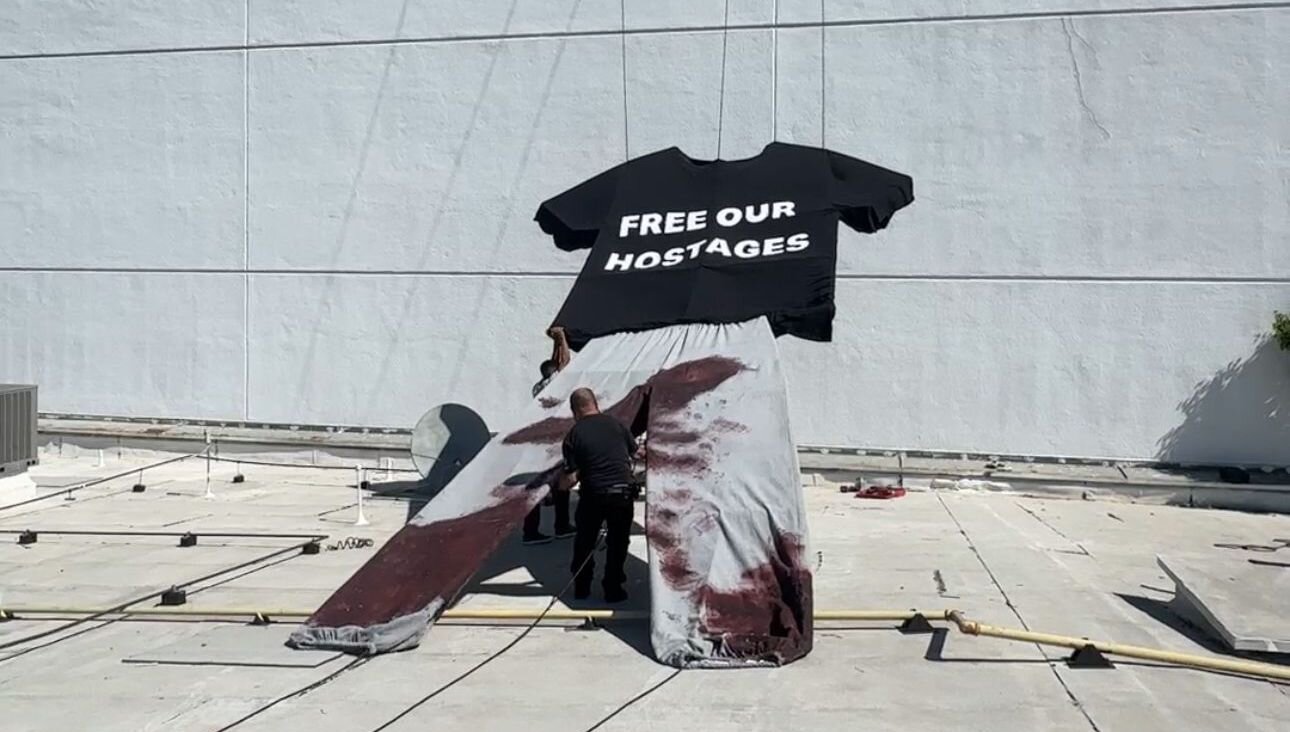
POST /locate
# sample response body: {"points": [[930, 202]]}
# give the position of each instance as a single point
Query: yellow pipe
{"points": [[1249, 668], [878, 615], [452, 614], [964, 625]]}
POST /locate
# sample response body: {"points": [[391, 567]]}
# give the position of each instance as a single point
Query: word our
{"points": [[679, 222]]}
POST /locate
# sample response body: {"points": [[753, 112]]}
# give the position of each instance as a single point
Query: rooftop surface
{"points": [[1073, 567]]}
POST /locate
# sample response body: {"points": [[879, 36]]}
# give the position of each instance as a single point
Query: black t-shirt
{"points": [[599, 449], [675, 240]]}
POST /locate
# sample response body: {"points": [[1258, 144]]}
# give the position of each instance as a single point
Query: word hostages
{"points": [[679, 222]]}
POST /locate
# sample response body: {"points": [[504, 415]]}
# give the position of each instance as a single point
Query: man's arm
{"points": [[635, 449], [568, 470], [559, 347]]}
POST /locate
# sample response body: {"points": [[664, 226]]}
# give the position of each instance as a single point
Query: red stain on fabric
{"points": [[669, 390], [542, 432], [678, 495], [767, 615], [676, 462], [671, 519], [420, 564], [672, 563], [674, 388], [674, 437], [721, 424]]}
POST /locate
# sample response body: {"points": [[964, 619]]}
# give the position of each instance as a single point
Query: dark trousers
{"points": [[615, 511], [560, 499]]}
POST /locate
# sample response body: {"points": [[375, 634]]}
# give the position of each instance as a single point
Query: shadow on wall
{"points": [[1240, 415]]}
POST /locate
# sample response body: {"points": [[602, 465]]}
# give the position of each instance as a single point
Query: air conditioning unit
{"points": [[17, 428]]}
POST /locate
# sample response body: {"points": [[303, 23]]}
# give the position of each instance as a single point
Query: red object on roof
{"points": [[880, 492]]}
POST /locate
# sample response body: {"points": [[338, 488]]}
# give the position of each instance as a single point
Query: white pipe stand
{"points": [[360, 520], [209, 492]]}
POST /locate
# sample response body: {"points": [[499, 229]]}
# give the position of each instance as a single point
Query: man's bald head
{"points": [[583, 402]]}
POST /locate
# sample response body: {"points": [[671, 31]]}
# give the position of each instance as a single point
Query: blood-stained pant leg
{"points": [[725, 517]]}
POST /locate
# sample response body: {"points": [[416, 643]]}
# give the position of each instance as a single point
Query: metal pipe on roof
{"points": [[955, 617], [451, 614], [1246, 668]]}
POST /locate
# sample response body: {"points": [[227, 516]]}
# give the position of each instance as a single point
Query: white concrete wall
{"points": [[320, 210]]}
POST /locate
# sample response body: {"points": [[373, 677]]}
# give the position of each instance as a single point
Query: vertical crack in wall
{"points": [[1068, 31], [823, 83], [721, 103], [246, 210], [627, 143]]}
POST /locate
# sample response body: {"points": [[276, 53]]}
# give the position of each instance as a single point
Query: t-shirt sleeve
{"points": [[865, 194], [574, 217], [570, 465]]}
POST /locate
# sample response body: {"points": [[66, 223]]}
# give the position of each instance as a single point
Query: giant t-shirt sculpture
{"points": [[695, 267]]}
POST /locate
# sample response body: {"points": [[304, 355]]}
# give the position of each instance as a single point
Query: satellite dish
{"points": [[444, 440]]}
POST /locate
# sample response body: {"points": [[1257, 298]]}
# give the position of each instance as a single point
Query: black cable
{"points": [[554, 599], [359, 661], [298, 692], [633, 700], [118, 609], [97, 481], [79, 502], [78, 633], [126, 615]]}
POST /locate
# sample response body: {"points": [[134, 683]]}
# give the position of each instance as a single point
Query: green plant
{"points": [[1281, 330]]}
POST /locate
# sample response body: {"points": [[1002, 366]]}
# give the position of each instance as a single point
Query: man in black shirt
{"points": [[598, 453]]}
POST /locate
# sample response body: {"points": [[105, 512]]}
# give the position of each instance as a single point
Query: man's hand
{"points": [[560, 347], [566, 481]]}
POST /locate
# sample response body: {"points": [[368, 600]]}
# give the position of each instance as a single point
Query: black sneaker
{"points": [[564, 532], [615, 594], [538, 538]]}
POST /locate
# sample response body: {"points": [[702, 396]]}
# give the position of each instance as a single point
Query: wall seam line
{"points": [[609, 32], [877, 277]]}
